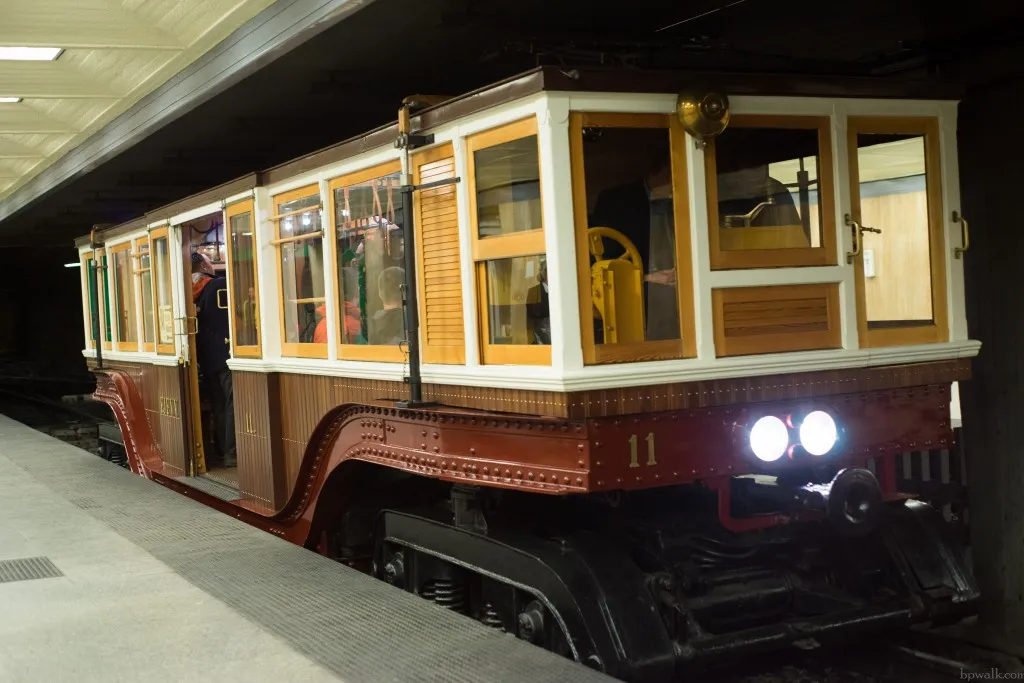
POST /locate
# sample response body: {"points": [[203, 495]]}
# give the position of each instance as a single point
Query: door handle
{"points": [[858, 236], [185, 324], [959, 218]]}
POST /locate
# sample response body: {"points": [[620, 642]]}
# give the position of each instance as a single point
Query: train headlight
{"points": [[769, 438], [818, 433]]}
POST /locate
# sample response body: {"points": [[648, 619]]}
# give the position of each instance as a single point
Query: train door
{"points": [[208, 337], [897, 222]]}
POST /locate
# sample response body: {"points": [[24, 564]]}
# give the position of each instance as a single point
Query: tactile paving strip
{"points": [[27, 569], [359, 628]]}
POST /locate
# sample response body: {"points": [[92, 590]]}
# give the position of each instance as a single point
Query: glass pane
{"points": [[371, 249], [124, 292], [894, 199], [517, 300], [243, 280], [628, 177], [107, 308], [164, 307], [146, 284], [91, 275], [768, 188], [302, 274], [508, 187]]}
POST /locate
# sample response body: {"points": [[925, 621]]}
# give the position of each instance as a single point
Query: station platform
{"points": [[107, 577]]}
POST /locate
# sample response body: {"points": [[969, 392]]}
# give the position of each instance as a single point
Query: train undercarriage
{"points": [[648, 585]]}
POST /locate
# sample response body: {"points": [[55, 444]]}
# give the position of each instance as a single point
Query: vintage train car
{"points": [[613, 363]]}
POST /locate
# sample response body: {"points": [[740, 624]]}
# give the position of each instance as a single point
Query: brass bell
{"points": [[703, 115]]}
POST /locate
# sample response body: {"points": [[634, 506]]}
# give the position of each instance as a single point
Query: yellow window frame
{"points": [[155, 235], [824, 255], [367, 352], [525, 243], [938, 330], [240, 208], [296, 349], [686, 345], [137, 245], [130, 282]]}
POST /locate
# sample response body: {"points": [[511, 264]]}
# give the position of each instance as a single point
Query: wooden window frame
{"points": [[827, 253], [137, 244], [89, 343], [686, 345], [154, 235], [116, 331], [230, 211], [102, 305], [928, 128], [386, 353], [450, 354], [296, 349], [525, 243]]}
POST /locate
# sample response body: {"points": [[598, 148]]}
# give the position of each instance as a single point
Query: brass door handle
{"points": [[858, 236], [185, 324], [965, 235]]}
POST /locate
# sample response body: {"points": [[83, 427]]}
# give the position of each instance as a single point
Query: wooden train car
{"points": [[616, 365]]}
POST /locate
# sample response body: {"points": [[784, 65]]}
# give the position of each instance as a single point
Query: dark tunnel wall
{"points": [[991, 147], [40, 313]]}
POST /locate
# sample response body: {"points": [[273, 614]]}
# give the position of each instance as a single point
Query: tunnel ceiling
{"points": [[351, 77]]}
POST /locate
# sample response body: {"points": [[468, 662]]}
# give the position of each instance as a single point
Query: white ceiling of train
{"points": [[111, 54]]}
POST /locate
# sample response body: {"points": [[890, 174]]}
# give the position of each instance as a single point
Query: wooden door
{"points": [[189, 328]]}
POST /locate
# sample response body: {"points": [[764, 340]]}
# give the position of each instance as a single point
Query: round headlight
{"points": [[769, 438], [818, 433]]}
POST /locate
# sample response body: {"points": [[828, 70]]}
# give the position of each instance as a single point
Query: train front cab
{"points": [[614, 313]]}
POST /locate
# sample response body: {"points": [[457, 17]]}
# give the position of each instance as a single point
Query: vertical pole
{"points": [[803, 181], [410, 298]]}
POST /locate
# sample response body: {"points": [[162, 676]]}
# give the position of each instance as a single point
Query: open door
{"points": [[190, 327]]}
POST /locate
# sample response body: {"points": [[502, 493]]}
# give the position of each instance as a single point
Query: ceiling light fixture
{"points": [[9, 100], [35, 54]]}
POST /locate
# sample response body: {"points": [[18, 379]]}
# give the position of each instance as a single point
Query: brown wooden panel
{"points": [[752, 320], [303, 400], [256, 471], [160, 388], [440, 269]]}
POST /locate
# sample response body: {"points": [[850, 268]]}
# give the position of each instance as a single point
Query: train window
{"points": [[770, 193], [245, 325], [367, 210], [103, 278], [162, 291], [300, 262], [144, 274], [124, 298], [90, 273], [630, 200], [896, 204], [508, 245]]}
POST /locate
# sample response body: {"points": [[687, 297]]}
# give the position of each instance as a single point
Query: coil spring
{"points": [[491, 618], [449, 594]]}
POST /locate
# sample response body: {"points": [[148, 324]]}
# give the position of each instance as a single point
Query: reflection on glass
{"points": [[302, 272], [94, 324], [371, 252], [124, 294], [517, 300], [767, 182], [107, 303], [628, 175], [243, 280], [146, 282], [508, 187], [894, 199], [164, 307]]}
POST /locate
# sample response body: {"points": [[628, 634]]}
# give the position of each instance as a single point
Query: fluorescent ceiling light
{"points": [[73, 265], [9, 100], [37, 54]]}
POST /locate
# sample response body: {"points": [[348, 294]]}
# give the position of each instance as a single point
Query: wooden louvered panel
{"points": [[751, 320], [439, 259]]}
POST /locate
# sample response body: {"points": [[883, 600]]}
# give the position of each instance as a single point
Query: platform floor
{"points": [[152, 586]]}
